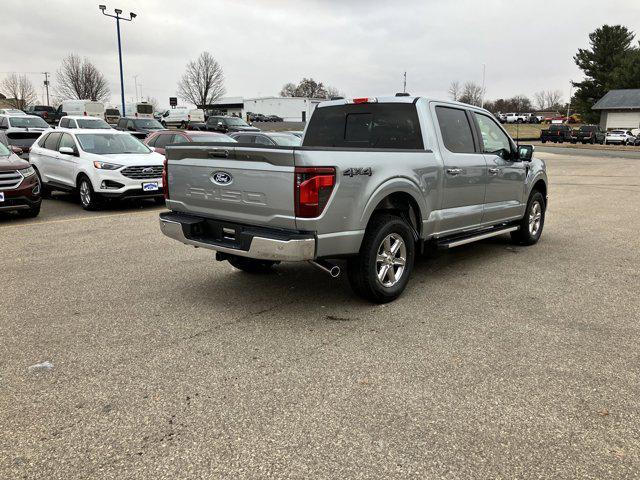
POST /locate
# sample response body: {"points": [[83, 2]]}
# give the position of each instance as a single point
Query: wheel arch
{"points": [[400, 196]]}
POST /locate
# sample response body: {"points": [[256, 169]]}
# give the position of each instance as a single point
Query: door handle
{"points": [[454, 171], [218, 153], [494, 171]]}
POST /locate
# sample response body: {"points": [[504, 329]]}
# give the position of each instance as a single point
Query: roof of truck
{"points": [[393, 99]]}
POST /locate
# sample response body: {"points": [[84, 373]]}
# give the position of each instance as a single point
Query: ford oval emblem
{"points": [[221, 178]]}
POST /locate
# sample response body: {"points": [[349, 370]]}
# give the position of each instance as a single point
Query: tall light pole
{"points": [[46, 85], [118, 18], [135, 81]]}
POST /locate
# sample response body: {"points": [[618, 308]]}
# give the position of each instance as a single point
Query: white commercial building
{"points": [[291, 109]]}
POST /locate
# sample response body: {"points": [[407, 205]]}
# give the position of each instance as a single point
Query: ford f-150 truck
{"points": [[376, 181]]}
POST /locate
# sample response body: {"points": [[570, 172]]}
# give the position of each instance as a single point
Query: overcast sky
{"points": [[362, 47]]}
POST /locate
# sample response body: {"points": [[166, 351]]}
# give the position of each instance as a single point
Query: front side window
{"points": [[494, 140], [109, 143], [455, 129], [67, 141], [64, 123], [262, 140]]}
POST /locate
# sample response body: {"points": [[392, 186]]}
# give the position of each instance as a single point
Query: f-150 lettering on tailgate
{"points": [[226, 195]]}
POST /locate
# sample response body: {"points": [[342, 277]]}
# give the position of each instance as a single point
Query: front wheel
{"points": [[532, 223], [251, 265], [30, 213], [381, 271], [88, 198]]}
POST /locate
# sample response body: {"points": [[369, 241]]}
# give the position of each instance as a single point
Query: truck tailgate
{"points": [[243, 184]]}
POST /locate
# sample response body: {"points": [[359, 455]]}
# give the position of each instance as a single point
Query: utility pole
{"points": [[404, 86], [135, 82], [484, 75], [46, 85], [118, 18], [569, 103]]}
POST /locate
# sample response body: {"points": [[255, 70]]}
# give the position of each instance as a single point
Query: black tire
{"points": [[88, 198], [524, 235], [251, 265], [362, 270], [544, 141], [159, 201], [31, 213]]}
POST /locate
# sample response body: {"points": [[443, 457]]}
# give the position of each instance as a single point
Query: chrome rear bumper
{"points": [[262, 248]]}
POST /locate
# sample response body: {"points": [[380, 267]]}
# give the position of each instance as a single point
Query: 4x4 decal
{"points": [[352, 172]]}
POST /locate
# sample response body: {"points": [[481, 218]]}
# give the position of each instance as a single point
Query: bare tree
{"points": [[333, 92], [80, 79], [202, 82], [309, 88], [454, 91], [548, 99], [19, 90], [288, 90], [472, 94], [553, 99]]}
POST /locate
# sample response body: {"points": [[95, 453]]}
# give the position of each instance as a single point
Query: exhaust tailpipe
{"points": [[326, 267]]}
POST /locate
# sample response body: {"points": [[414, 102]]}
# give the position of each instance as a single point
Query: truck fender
{"points": [[394, 185]]}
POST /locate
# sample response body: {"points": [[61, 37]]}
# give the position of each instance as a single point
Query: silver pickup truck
{"points": [[375, 182]]}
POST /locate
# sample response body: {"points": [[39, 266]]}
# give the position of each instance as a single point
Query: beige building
{"points": [[619, 109]]}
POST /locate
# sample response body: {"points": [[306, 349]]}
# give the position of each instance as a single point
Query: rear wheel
{"points": [[532, 223], [88, 198], [251, 265], [381, 271]]}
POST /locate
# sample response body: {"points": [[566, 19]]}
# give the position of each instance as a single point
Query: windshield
{"points": [[96, 123], [112, 111], [4, 151], [286, 140], [110, 143], [28, 122], [617, 132], [212, 138], [148, 123], [236, 122]]}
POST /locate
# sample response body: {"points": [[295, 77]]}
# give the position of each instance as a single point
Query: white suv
{"points": [[97, 164]]}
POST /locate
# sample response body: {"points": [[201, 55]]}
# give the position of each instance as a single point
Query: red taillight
{"points": [[361, 100], [46, 115], [312, 190], [165, 183]]}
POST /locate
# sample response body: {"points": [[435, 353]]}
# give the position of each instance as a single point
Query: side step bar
{"points": [[457, 241]]}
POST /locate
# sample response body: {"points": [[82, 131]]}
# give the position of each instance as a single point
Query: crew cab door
{"points": [[465, 170], [505, 173]]}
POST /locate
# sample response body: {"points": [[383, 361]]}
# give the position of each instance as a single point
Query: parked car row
{"points": [[258, 117], [560, 133]]}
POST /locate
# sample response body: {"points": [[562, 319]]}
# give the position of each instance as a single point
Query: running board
{"points": [[456, 242]]}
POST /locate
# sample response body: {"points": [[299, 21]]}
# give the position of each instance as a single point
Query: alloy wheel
{"points": [[535, 218], [391, 260]]}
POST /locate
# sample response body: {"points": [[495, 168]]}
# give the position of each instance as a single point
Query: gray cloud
{"points": [[361, 47]]}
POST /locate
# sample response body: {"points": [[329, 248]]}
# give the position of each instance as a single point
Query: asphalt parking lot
{"points": [[498, 362]]}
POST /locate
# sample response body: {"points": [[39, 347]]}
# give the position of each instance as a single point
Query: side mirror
{"points": [[525, 152], [67, 151]]}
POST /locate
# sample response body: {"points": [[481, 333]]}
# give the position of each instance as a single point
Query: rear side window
{"points": [[51, 143], [43, 140], [164, 140], [64, 123], [455, 129], [370, 125]]}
